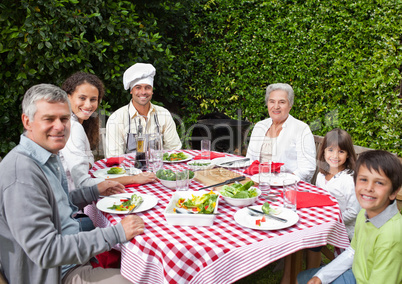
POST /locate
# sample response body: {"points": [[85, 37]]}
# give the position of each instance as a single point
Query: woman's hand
{"points": [[109, 187], [145, 177], [133, 225]]}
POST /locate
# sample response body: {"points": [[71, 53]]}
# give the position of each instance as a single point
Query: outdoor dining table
{"points": [[221, 253]]}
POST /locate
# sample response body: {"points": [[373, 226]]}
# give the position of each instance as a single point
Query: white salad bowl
{"points": [[197, 219], [242, 202], [171, 183]]}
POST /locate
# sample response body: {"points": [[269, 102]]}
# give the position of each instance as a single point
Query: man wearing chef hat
{"points": [[140, 113]]}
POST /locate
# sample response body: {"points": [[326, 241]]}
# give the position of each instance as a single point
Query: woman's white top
{"points": [[267, 148], [342, 187], [294, 146], [76, 157]]}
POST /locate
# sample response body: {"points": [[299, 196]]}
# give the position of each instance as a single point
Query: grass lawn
{"points": [[265, 275]]}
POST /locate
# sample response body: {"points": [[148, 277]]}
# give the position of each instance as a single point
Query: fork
{"points": [[136, 206]]}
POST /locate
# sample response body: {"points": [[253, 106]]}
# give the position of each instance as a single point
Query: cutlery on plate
{"points": [[233, 162], [225, 182], [136, 206], [268, 215], [114, 196]]}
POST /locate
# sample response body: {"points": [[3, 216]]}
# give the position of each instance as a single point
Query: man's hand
{"points": [[314, 280], [133, 226], [145, 177], [109, 187]]}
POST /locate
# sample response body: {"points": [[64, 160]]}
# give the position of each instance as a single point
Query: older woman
{"points": [[281, 137]]}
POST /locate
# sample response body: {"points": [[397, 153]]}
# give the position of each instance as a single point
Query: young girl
{"points": [[85, 92], [336, 161]]}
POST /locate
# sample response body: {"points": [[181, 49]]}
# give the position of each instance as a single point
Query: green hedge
{"points": [[343, 59], [48, 40]]}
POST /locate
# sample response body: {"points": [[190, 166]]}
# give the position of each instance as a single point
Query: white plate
{"points": [[243, 218], [222, 160], [189, 157], [102, 173], [276, 179], [149, 202], [199, 168]]}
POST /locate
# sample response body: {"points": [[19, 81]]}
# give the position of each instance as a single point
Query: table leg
{"points": [[296, 265]]}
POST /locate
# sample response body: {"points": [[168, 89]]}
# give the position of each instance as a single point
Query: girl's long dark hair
{"points": [[91, 125], [337, 137]]}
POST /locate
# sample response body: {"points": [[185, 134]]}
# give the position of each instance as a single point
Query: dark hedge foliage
{"points": [[343, 59], [46, 41]]}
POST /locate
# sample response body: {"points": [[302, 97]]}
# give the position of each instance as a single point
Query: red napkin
{"points": [[114, 161], [108, 259], [254, 168], [308, 199], [132, 185], [213, 156]]}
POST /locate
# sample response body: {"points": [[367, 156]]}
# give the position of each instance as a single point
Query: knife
{"points": [[234, 161], [268, 215], [225, 182]]}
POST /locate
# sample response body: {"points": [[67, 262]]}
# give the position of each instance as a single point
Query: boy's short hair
{"points": [[379, 160]]}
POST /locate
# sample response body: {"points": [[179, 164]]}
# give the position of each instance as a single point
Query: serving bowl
{"points": [[172, 183], [199, 219], [242, 202]]}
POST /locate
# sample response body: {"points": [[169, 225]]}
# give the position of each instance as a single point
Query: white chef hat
{"points": [[139, 73]]}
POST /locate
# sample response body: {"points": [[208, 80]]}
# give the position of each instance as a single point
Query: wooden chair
{"points": [[100, 151], [318, 141]]}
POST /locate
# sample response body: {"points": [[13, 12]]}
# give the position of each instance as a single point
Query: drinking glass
{"points": [[155, 152], [282, 171], [290, 194], [182, 179], [205, 149], [264, 177]]}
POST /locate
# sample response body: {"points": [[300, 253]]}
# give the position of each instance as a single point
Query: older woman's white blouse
{"points": [[76, 157], [294, 146]]}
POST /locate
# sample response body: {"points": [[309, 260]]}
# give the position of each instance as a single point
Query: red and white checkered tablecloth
{"points": [[222, 253]]}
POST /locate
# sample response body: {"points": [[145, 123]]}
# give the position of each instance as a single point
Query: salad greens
{"points": [[203, 204], [197, 164], [115, 171], [266, 208], [174, 156], [127, 203], [239, 190], [168, 174]]}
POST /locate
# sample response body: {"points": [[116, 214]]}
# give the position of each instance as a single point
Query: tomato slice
{"points": [[258, 222], [263, 219]]}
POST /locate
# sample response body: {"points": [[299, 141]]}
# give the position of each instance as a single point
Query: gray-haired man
{"points": [[40, 241]]}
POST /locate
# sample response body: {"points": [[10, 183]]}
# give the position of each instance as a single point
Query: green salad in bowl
{"points": [[240, 194], [168, 177]]}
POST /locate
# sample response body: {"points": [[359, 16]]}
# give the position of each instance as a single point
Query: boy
{"points": [[375, 254]]}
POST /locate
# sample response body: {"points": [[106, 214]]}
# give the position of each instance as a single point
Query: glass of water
{"points": [[264, 177], [155, 152]]}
